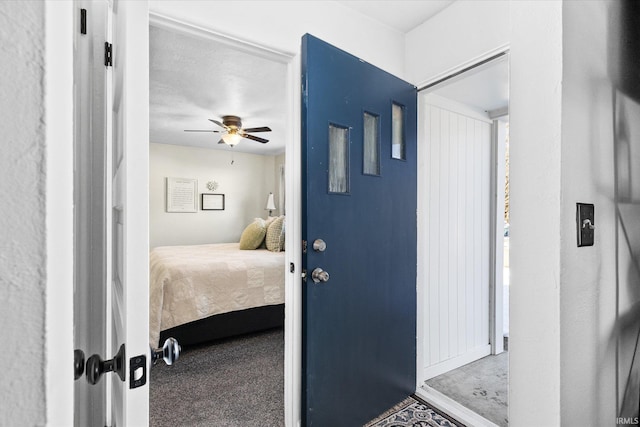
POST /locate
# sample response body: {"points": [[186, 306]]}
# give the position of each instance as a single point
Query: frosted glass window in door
{"points": [[397, 131], [338, 159], [371, 142]]}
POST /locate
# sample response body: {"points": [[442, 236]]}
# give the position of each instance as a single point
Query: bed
{"points": [[203, 292]]}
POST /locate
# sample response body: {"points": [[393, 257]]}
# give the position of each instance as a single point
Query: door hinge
{"points": [[108, 54], [83, 21], [304, 274], [304, 246]]}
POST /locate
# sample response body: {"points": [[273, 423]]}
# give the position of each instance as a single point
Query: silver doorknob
{"points": [[319, 275], [319, 245], [170, 352]]}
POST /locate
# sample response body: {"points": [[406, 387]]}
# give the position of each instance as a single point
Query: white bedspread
{"points": [[188, 283]]}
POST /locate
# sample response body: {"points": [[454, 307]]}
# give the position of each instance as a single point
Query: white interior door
{"points": [[128, 216], [454, 235]]}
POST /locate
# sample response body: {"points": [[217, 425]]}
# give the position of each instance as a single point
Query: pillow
{"points": [[253, 235], [275, 235], [267, 222]]}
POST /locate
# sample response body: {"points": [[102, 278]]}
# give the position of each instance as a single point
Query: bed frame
{"points": [[226, 325]]}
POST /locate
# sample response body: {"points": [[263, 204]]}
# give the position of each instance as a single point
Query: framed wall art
{"points": [[212, 202], [182, 195]]}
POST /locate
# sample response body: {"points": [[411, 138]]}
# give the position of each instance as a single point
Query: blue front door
{"points": [[359, 198]]}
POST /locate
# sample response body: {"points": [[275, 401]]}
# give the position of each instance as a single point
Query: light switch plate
{"points": [[585, 221]]}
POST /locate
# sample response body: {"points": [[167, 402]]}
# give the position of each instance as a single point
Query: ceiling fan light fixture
{"points": [[231, 138], [233, 131]]}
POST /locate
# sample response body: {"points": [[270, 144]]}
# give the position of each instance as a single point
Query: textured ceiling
{"points": [[193, 79]]}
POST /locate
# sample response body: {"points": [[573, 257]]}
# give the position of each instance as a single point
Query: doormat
{"points": [[413, 412]]}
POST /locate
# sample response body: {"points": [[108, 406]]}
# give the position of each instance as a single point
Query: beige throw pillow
{"points": [[275, 235], [253, 235], [267, 222]]}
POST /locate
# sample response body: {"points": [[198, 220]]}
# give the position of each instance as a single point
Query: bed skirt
{"points": [[226, 325]]}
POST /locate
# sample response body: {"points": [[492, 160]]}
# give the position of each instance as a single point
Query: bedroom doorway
{"points": [[463, 330], [235, 197]]}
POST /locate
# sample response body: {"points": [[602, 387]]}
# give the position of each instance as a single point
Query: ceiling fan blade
{"points": [[255, 138], [218, 123], [198, 130], [260, 129]]}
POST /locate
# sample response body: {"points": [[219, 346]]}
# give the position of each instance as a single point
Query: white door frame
{"points": [[58, 107], [293, 243], [430, 395], [496, 280]]}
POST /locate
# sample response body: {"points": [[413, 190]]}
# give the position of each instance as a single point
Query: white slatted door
{"points": [[128, 165], [454, 235]]}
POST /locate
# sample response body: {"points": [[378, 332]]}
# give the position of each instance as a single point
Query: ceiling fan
{"points": [[233, 131]]}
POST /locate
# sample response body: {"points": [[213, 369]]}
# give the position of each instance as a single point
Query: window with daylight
{"points": [[338, 159]]}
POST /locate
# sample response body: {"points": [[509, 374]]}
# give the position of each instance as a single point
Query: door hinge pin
{"points": [[108, 54], [304, 274], [304, 246]]}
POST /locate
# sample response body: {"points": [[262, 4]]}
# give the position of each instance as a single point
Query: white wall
{"points": [[23, 220], [535, 212], [588, 274], [570, 291], [281, 24], [465, 30], [246, 184]]}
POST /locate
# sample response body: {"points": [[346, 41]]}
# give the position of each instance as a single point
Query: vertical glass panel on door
{"points": [[397, 131], [371, 142], [338, 159]]}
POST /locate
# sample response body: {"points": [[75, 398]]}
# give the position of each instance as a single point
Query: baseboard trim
{"points": [[452, 408], [455, 362]]}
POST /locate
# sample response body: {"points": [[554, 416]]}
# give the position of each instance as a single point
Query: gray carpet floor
{"points": [[237, 382], [481, 386]]}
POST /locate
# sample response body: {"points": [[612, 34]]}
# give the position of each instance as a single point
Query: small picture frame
{"points": [[212, 202]]}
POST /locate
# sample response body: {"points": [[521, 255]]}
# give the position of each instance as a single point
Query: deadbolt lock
{"points": [[319, 245]]}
